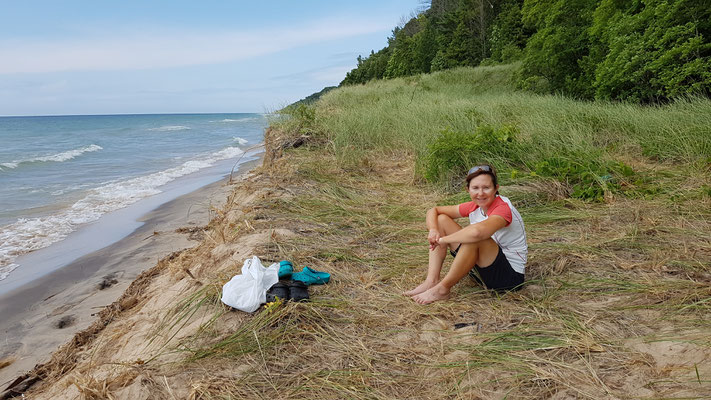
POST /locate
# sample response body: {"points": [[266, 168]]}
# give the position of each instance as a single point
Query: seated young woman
{"points": [[493, 244]]}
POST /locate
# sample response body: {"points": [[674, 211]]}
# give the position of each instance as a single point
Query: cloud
{"points": [[333, 73], [151, 49], [345, 56]]}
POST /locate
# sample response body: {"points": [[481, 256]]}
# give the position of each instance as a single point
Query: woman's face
{"points": [[482, 190]]}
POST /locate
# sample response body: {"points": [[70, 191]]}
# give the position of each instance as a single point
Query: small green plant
{"points": [[589, 175], [304, 113], [297, 119]]}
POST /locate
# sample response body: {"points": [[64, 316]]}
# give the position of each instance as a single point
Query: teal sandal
{"points": [[285, 269], [311, 277]]}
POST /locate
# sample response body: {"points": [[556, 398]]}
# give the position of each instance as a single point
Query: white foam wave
{"points": [[170, 128], [5, 271], [241, 141], [245, 119], [67, 189], [26, 235], [59, 157]]}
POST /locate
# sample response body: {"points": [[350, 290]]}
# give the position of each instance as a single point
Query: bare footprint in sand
{"points": [[65, 322]]}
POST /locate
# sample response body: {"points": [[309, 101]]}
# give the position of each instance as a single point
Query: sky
{"points": [[136, 57]]}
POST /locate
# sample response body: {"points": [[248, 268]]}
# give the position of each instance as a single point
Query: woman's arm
{"points": [[432, 221], [475, 232], [434, 212]]}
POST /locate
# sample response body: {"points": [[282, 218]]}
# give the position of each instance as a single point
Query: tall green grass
{"points": [[584, 144]]}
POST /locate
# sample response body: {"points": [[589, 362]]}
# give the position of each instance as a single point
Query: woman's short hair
{"points": [[482, 169]]}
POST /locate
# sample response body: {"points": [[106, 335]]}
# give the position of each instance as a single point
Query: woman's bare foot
{"points": [[431, 295], [421, 288]]}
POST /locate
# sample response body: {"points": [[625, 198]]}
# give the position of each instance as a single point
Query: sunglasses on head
{"points": [[484, 168]]}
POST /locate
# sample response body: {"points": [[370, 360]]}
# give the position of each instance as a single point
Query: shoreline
{"points": [[41, 315], [109, 228]]}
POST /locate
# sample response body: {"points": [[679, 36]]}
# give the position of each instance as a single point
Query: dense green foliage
{"points": [[656, 49], [452, 119], [637, 50], [449, 34]]}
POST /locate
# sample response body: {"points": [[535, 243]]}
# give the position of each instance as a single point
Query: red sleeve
{"points": [[501, 209], [466, 208]]}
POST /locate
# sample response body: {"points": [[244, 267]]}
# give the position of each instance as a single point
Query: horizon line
{"points": [[129, 114]]}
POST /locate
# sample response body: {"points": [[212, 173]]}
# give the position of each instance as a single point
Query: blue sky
{"points": [[102, 57]]}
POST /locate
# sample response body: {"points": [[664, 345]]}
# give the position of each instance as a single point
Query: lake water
{"points": [[59, 173]]}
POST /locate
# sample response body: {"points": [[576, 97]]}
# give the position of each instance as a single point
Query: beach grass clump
{"points": [[255, 335], [205, 301], [590, 175], [452, 152]]}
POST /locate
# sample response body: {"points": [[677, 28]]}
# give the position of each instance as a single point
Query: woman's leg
{"points": [[447, 226], [479, 253]]}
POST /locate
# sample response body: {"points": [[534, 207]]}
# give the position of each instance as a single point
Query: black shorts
{"points": [[499, 276]]}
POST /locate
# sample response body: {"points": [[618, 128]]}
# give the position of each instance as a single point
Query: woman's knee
{"points": [[444, 218], [483, 249], [447, 225]]}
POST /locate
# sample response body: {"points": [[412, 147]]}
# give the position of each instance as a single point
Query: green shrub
{"points": [[306, 115], [297, 119], [453, 152], [589, 176]]}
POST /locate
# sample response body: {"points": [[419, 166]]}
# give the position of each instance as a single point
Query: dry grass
{"points": [[6, 361], [606, 282], [616, 306]]}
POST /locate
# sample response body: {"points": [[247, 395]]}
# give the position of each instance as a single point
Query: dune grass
{"points": [[587, 145], [410, 112], [617, 298]]}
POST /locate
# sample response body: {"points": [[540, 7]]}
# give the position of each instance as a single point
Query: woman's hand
{"points": [[433, 238]]}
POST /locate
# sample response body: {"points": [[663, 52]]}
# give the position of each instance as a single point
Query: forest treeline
{"points": [[635, 50]]}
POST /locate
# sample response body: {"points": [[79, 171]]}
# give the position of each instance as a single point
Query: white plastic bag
{"points": [[247, 291]]}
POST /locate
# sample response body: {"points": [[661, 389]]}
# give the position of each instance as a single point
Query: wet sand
{"points": [[38, 317]]}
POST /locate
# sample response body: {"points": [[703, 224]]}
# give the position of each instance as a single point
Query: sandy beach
{"points": [[38, 317]]}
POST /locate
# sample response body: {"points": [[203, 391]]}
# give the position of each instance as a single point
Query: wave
{"points": [[170, 128], [67, 189], [26, 235], [241, 141], [245, 119], [5, 270], [59, 157]]}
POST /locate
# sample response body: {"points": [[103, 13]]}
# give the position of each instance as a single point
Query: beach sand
{"points": [[38, 317]]}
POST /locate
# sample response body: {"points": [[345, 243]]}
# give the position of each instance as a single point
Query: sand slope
{"points": [[77, 299]]}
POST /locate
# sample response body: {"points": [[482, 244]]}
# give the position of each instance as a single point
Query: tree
{"points": [[560, 41], [656, 49], [425, 45], [508, 36], [401, 62], [468, 44]]}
